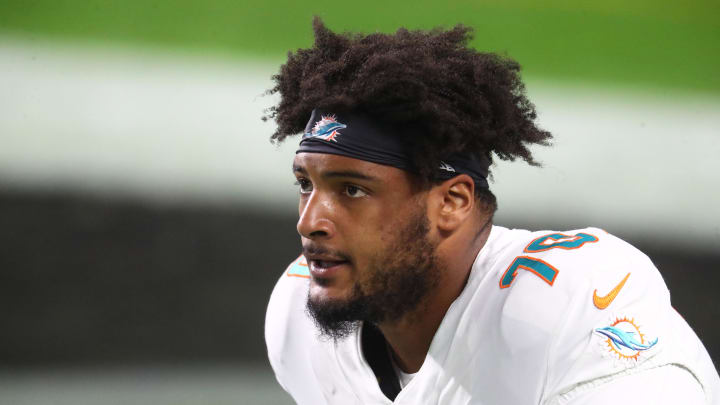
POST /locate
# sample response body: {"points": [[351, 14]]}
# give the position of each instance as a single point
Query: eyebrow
{"points": [[353, 174]]}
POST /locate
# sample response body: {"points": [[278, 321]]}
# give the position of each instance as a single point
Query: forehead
{"points": [[322, 164]]}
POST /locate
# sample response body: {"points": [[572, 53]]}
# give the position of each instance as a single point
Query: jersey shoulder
{"points": [[575, 278], [603, 305], [287, 301], [289, 333], [286, 319], [576, 260]]}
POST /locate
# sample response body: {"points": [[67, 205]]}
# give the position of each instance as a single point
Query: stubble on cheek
{"points": [[392, 285], [405, 275]]}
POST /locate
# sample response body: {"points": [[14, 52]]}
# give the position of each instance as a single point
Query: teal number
{"points": [[540, 268], [560, 241], [299, 268]]}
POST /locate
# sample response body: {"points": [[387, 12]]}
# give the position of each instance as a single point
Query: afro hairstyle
{"points": [[435, 92]]}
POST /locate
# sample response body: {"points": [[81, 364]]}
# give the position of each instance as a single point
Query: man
{"points": [[405, 292]]}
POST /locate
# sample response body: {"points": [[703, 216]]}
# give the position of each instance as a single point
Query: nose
{"points": [[315, 218]]}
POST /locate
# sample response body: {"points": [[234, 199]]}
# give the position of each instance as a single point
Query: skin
{"points": [[349, 209]]}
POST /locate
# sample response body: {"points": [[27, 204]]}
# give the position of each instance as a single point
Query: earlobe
{"points": [[458, 201]]}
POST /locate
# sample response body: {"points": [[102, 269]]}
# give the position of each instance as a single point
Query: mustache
{"points": [[318, 250]]}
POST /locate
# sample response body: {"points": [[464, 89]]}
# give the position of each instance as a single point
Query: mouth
{"points": [[322, 270]]}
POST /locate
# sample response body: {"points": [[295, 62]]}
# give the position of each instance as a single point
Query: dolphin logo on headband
{"points": [[326, 129], [371, 140]]}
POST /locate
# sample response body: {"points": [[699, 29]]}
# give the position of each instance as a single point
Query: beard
{"points": [[399, 278]]}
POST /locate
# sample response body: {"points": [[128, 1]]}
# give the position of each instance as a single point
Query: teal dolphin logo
{"points": [[326, 129], [624, 339]]}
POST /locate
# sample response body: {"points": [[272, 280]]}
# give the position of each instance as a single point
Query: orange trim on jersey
{"points": [[520, 266], [549, 236], [300, 261]]}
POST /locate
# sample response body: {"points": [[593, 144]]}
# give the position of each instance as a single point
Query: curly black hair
{"points": [[439, 95]]}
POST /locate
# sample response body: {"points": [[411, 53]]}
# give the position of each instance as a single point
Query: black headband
{"points": [[358, 136]]}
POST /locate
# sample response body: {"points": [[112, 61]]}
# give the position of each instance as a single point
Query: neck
{"points": [[410, 336]]}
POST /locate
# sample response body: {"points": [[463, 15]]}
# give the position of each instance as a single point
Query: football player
{"points": [[406, 292]]}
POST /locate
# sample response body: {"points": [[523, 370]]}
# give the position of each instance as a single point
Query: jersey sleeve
{"points": [[618, 323], [665, 385], [289, 333]]}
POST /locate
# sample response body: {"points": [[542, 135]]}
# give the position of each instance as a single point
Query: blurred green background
{"points": [[668, 44], [144, 216]]}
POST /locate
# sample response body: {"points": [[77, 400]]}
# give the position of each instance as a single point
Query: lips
{"points": [[323, 269], [324, 263]]}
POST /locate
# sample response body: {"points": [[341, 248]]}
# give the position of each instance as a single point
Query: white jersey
{"points": [[545, 318]]}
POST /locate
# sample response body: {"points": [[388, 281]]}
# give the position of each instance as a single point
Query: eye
{"points": [[305, 185], [354, 191]]}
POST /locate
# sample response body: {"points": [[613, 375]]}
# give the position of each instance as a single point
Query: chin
{"points": [[323, 291]]}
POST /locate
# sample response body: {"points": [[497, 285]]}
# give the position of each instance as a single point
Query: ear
{"points": [[457, 201]]}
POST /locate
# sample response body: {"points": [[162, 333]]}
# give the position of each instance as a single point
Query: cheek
{"points": [[373, 249], [366, 245], [370, 232]]}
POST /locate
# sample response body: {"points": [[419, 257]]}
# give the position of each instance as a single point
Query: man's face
{"points": [[364, 230]]}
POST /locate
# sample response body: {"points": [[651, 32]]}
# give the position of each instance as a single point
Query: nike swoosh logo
{"points": [[604, 302]]}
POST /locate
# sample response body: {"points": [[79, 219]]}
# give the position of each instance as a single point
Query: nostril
{"points": [[317, 234]]}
